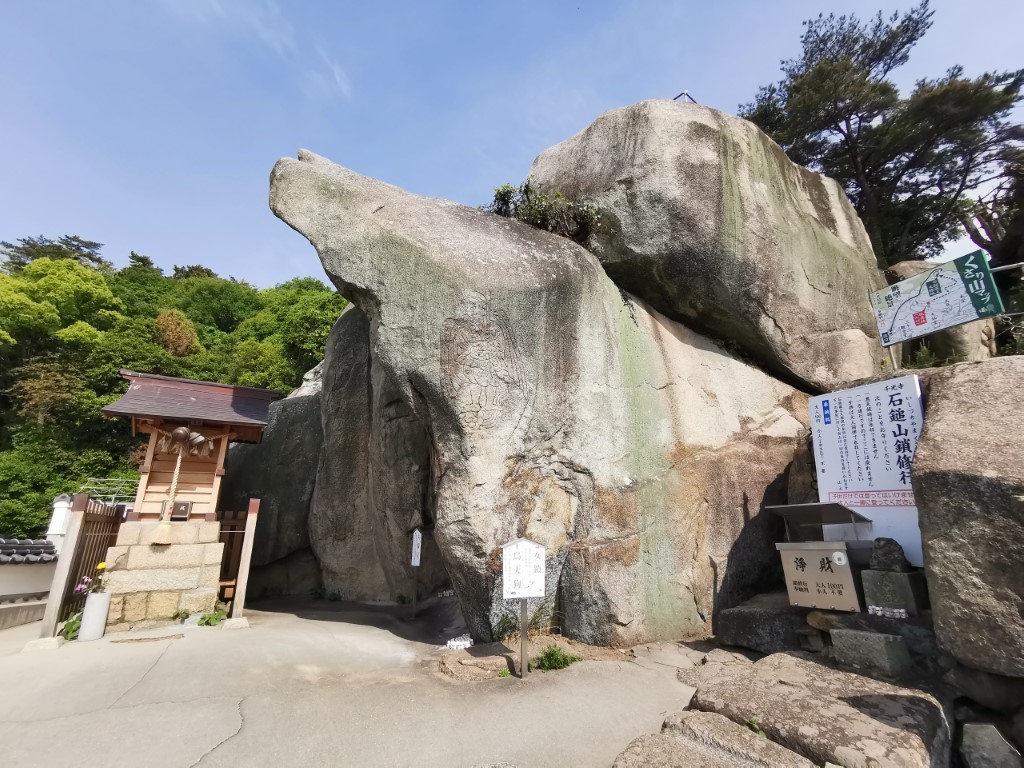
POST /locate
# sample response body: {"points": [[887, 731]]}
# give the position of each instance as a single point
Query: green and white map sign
{"points": [[957, 292]]}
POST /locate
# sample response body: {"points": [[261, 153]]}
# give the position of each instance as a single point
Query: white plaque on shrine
{"points": [[522, 569]]}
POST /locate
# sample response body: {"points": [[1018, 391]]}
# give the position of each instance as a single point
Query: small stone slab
{"points": [[886, 589], [917, 631], [239, 623], [825, 714], [482, 662], [766, 623], [652, 655], [706, 740], [983, 746], [43, 644], [872, 652]]}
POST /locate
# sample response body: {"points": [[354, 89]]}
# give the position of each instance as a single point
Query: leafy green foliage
{"points": [[909, 162], [176, 334], [69, 323], [552, 213], [755, 725], [552, 658], [213, 619], [40, 466], [72, 626], [194, 270], [212, 301]]}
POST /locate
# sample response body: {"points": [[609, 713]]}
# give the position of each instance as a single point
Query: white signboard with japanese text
{"points": [[522, 569], [417, 546], [864, 444]]}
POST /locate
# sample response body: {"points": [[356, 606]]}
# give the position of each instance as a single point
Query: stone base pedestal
{"points": [[157, 570]]}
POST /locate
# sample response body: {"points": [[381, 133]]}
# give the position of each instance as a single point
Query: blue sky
{"points": [[152, 125]]}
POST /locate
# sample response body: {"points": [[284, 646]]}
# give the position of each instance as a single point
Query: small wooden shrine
{"points": [[190, 424], [176, 553]]}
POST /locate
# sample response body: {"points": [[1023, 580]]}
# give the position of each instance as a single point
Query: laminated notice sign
{"points": [[957, 292], [864, 444], [522, 569]]}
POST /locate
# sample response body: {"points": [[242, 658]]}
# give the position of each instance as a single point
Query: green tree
{"points": [[193, 270], [38, 468], [176, 334], [77, 292], [263, 364], [141, 286], [130, 344], [301, 312], [17, 256], [23, 319], [909, 163], [215, 302]]}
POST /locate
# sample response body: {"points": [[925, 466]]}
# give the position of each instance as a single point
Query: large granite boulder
{"points": [[707, 219], [969, 342], [549, 404], [281, 472], [372, 483], [826, 715], [968, 480]]}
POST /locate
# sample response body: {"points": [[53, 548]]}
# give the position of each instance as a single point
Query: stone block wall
{"points": [[150, 582]]}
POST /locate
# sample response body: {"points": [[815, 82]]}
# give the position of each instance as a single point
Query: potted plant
{"points": [[97, 605]]}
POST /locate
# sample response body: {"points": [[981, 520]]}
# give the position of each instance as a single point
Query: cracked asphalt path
{"points": [[312, 684]]}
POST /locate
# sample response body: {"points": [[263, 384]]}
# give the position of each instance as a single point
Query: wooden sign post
{"points": [[522, 571]]}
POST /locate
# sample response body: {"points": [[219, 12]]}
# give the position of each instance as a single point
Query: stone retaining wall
{"points": [[150, 582]]}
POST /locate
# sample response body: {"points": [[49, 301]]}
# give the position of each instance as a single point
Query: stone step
{"points": [[706, 740]]}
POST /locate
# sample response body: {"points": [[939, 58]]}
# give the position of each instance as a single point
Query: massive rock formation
{"points": [[518, 391], [969, 484], [281, 472], [705, 217], [373, 480]]}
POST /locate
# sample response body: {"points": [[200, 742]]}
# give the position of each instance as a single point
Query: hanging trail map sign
{"points": [[864, 444], [954, 293]]}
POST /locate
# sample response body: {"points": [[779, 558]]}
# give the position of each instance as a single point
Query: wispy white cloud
{"points": [[320, 75], [327, 79], [261, 20]]}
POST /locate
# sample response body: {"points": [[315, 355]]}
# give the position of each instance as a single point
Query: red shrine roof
{"points": [[165, 397]]}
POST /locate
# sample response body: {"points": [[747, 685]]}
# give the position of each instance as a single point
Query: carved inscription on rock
{"points": [[480, 367]]}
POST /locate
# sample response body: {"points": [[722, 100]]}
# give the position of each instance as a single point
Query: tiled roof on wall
{"points": [[28, 551]]}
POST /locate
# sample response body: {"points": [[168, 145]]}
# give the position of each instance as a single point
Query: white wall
{"points": [[16, 579]]}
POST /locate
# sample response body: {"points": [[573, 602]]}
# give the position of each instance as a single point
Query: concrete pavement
{"points": [[313, 684]]}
